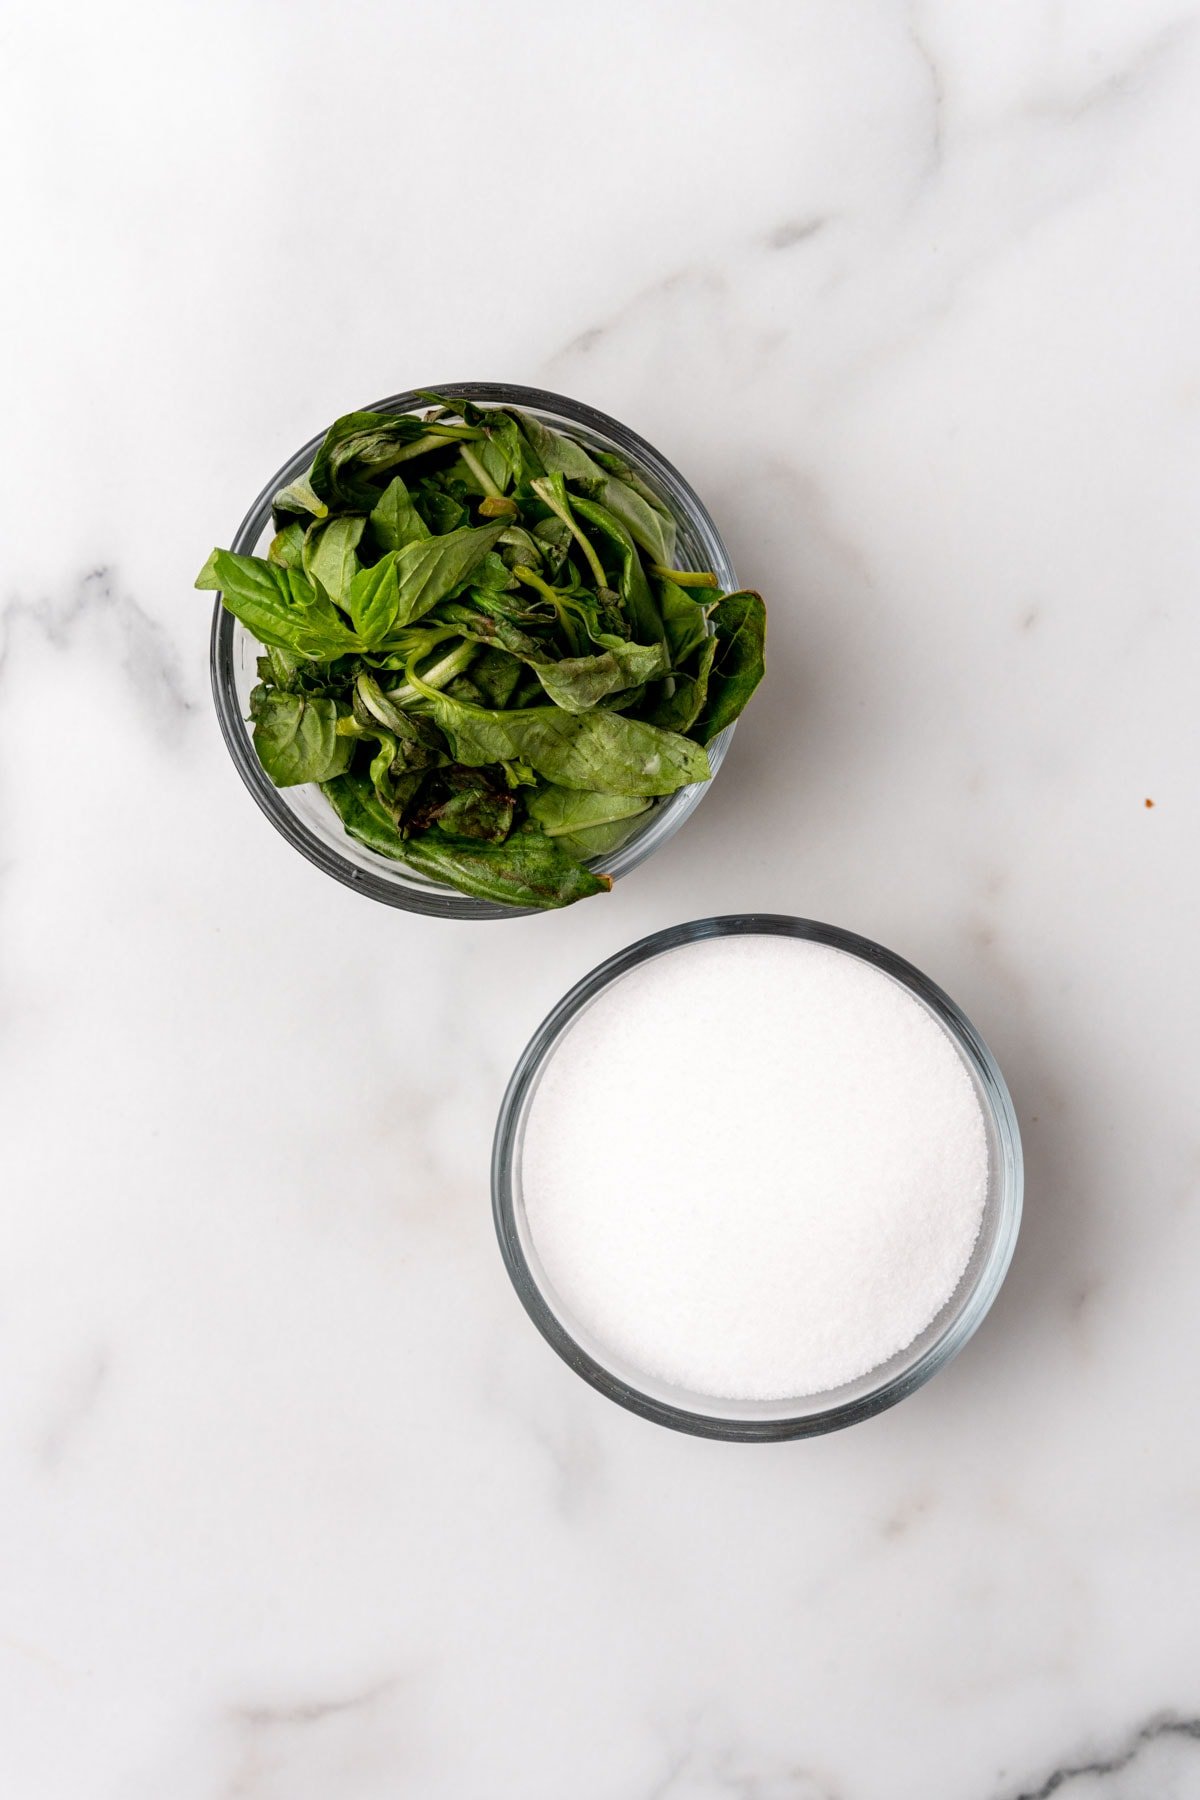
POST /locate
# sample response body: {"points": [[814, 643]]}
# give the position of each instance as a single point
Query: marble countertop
{"points": [[294, 1502]]}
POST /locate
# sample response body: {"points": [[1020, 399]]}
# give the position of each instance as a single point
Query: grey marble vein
{"points": [[937, 89], [792, 232], [1185, 1730], [309, 1712], [136, 642], [75, 1405], [1150, 60]]}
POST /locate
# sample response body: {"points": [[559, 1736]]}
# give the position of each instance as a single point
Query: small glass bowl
{"points": [[754, 1421], [302, 815]]}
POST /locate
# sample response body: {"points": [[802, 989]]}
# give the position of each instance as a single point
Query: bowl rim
{"points": [[963, 1312], [426, 897]]}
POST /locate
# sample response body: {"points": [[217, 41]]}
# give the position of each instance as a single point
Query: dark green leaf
{"points": [[496, 673], [416, 741], [296, 738], [684, 621], [475, 811], [441, 510], [683, 695], [741, 625], [527, 870], [636, 597], [355, 451]]}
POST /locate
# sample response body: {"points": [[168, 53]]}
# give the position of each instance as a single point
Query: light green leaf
{"points": [[329, 554], [279, 606], [394, 519]]}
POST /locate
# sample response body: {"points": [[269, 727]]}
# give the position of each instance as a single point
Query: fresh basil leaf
{"points": [[559, 811], [279, 668], [416, 741], [298, 497], [554, 541], [599, 841], [650, 526], [330, 559], [357, 448], [287, 546], [645, 623], [617, 465], [296, 738], [436, 569], [441, 510], [278, 606], [493, 575], [374, 600], [601, 751], [526, 870], [395, 520], [740, 622]]}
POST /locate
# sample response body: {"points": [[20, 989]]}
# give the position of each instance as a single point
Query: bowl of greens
{"points": [[478, 651]]}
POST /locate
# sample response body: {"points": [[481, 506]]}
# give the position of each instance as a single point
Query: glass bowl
{"points": [[301, 814], [741, 1420]]}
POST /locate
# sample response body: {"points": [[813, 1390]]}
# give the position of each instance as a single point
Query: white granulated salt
{"points": [[755, 1167]]}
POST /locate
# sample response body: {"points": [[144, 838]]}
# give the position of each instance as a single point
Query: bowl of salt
{"points": [[786, 1249]]}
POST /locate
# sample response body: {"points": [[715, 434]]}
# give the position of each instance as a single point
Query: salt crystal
{"points": [[755, 1167]]}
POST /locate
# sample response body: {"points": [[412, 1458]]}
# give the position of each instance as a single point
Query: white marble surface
{"points": [[294, 1503]]}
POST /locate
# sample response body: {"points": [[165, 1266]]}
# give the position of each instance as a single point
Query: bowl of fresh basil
{"points": [[478, 651]]}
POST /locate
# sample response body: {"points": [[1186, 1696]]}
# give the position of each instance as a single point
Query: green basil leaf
{"points": [[416, 741], [279, 606], [296, 738], [684, 621], [527, 870], [496, 673], [560, 812], [649, 525], [356, 448], [441, 511], [330, 559], [374, 600], [740, 622], [479, 811], [601, 751], [577, 683], [397, 787], [679, 709], [298, 497], [636, 596], [287, 546], [436, 569], [395, 520]]}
